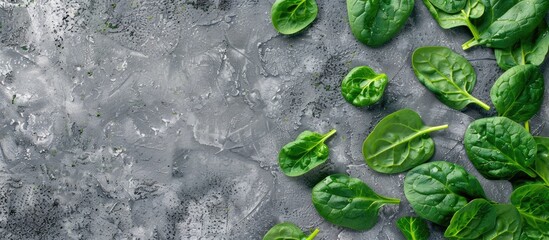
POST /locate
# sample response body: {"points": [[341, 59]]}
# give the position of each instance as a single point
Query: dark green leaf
{"points": [[363, 87], [472, 221], [449, 6], [508, 223], [529, 50], [473, 9], [292, 16], [499, 148], [541, 164], [288, 231], [519, 21], [436, 190], [399, 142], [447, 74], [376, 22], [413, 228], [348, 202], [532, 202], [305, 153], [518, 93], [493, 9]]}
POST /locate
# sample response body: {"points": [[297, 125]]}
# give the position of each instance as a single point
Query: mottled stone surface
{"points": [[163, 119]]}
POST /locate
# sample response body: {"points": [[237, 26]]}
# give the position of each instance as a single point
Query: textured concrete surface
{"points": [[163, 119]]}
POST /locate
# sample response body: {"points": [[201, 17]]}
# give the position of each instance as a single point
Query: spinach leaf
{"points": [[376, 22], [288, 231], [292, 16], [493, 9], [518, 93], [363, 87], [532, 203], [399, 142], [499, 148], [413, 228], [449, 6], [508, 223], [305, 153], [529, 50], [436, 190], [541, 164], [519, 21], [473, 9], [348, 202], [471, 221], [447, 74]]}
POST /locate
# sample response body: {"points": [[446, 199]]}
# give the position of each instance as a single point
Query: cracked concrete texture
{"points": [[163, 119]]}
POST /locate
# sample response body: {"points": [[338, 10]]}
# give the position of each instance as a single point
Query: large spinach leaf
{"points": [[363, 87], [516, 23], [493, 9], [447, 74], [471, 221], [532, 202], [530, 50], [499, 148], [399, 142], [348, 202], [413, 228], [508, 223], [436, 190], [305, 153], [518, 93], [473, 9], [376, 22], [541, 164], [292, 16], [288, 231], [449, 6]]}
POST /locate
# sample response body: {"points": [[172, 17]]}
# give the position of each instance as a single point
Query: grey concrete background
{"points": [[163, 119]]}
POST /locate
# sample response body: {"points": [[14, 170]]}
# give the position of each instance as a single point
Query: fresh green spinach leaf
{"points": [[499, 148], [541, 164], [399, 142], [305, 153], [531, 200], [446, 74], [529, 50], [348, 202], [376, 22], [493, 9], [292, 16], [449, 6], [473, 9], [472, 221], [508, 223], [436, 190], [288, 231], [413, 228], [518, 93], [363, 87], [519, 21]]}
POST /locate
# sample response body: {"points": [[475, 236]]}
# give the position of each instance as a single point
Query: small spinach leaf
{"points": [[447, 74], [532, 203], [518, 93], [305, 153], [473, 9], [499, 148], [399, 142], [288, 231], [413, 228], [363, 87], [508, 223], [348, 202], [519, 21], [436, 190], [472, 221], [541, 164], [529, 50], [449, 6], [376, 22], [292, 16]]}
